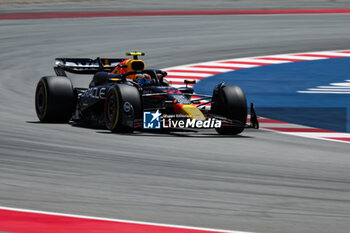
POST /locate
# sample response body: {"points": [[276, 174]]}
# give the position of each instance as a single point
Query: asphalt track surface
{"points": [[260, 181]]}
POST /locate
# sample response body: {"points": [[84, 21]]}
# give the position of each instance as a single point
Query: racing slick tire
{"points": [[122, 107], [230, 102], [54, 99]]}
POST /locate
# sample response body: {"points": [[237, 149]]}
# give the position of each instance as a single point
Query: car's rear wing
{"points": [[85, 65]]}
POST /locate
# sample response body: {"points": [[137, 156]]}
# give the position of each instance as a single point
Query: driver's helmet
{"points": [[142, 79], [129, 65]]}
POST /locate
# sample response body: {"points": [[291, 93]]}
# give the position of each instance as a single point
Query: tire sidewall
{"points": [[122, 120], [41, 92], [113, 123]]}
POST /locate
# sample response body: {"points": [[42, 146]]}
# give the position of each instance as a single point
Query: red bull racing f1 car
{"points": [[123, 96]]}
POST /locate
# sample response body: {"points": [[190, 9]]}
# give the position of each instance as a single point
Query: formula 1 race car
{"points": [[122, 92]]}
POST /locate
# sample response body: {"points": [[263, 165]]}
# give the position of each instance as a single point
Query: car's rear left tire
{"points": [[54, 99]]}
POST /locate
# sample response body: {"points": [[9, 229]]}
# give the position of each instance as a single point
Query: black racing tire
{"points": [[231, 102], [115, 111], [54, 99]]}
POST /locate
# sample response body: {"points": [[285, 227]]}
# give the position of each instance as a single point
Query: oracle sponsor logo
{"points": [[96, 93]]}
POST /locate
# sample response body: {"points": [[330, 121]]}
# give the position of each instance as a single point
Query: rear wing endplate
{"points": [[85, 65]]}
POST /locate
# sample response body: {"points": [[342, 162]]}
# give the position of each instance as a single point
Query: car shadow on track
{"points": [[207, 133], [176, 133], [73, 124]]}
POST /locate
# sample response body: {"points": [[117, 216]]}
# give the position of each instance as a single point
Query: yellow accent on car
{"points": [[117, 115], [135, 54], [189, 81], [135, 65], [192, 111], [117, 109]]}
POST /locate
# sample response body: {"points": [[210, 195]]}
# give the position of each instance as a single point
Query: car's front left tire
{"points": [[230, 102]]}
